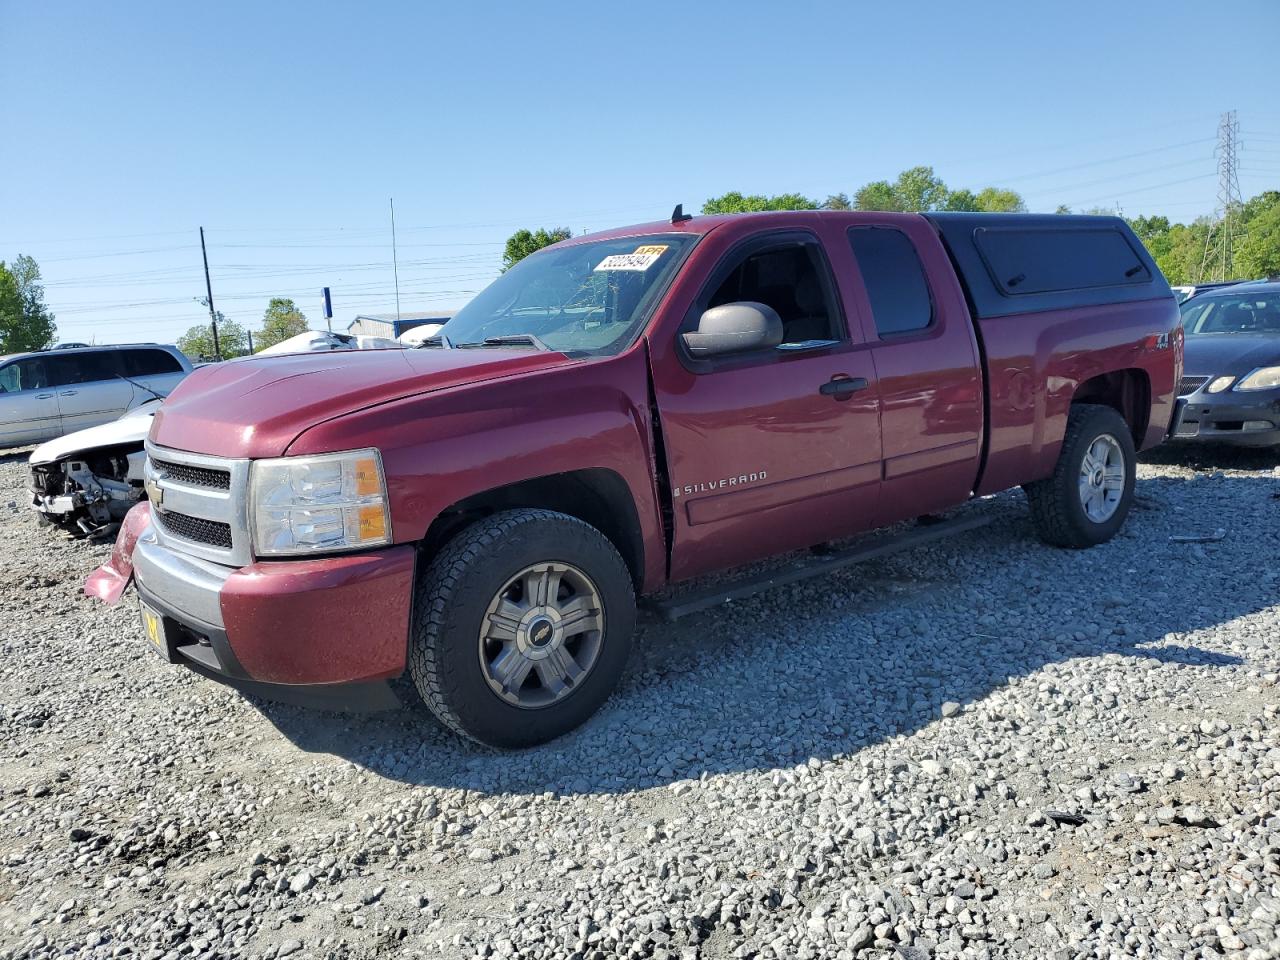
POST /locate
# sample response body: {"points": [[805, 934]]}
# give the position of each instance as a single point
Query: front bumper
{"points": [[1230, 417], [315, 624]]}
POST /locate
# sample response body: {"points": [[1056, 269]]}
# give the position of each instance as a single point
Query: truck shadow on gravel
{"points": [[828, 667]]}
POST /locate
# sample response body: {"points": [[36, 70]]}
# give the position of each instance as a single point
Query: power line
{"points": [[1098, 163], [1156, 186]]}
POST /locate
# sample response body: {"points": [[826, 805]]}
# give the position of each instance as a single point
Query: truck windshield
{"points": [[588, 298]]}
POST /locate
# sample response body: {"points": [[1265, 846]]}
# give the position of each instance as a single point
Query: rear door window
{"points": [[901, 303], [149, 362], [68, 369], [1044, 261]]}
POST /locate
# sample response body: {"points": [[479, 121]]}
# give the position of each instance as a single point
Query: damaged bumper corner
{"points": [[110, 580]]}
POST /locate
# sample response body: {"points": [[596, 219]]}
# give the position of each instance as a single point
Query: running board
{"points": [[695, 601]]}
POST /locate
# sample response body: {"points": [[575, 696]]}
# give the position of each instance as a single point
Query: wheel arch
{"points": [[1127, 391], [595, 495]]}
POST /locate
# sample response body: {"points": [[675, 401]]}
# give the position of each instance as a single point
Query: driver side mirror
{"points": [[734, 328]]}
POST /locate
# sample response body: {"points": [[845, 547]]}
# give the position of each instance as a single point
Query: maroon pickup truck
{"points": [[626, 410]]}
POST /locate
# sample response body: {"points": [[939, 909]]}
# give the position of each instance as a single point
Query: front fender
{"points": [[440, 449]]}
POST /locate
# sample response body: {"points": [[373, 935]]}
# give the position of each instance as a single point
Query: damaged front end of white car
{"points": [[87, 481]]}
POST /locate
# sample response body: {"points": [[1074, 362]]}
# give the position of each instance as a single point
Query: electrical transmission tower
{"points": [[1216, 263]]}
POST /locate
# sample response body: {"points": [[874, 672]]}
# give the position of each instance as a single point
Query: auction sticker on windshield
{"points": [[641, 259]]}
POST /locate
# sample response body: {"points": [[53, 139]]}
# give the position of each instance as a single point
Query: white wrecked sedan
{"points": [[86, 481]]}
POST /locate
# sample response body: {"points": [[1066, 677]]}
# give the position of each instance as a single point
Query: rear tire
{"points": [[1085, 501], [522, 627]]}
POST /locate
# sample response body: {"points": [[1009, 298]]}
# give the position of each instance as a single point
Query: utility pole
{"points": [[208, 289], [250, 333], [395, 267]]}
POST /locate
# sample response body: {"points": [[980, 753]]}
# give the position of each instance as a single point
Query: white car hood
{"points": [[131, 428]]}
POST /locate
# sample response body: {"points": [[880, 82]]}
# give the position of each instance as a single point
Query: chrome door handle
{"points": [[44, 396], [67, 393]]}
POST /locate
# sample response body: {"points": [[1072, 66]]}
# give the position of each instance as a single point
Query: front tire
{"points": [[1085, 501], [522, 627]]}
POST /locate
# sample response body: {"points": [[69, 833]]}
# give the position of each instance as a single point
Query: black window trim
{"points": [[748, 246], [980, 234], [921, 333]]}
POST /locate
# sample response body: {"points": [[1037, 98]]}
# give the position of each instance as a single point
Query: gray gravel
{"points": [[987, 748]]}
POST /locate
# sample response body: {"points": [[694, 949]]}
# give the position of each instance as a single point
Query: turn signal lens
{"points": [[368, 477]]}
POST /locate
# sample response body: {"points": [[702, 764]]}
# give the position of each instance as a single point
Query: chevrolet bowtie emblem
{"points": [[155, 493]]}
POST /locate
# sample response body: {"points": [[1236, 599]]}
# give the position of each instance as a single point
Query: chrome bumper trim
{"points": [[186, 583]]}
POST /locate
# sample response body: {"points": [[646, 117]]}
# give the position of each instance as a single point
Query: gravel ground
{"points": [[986, 748]]}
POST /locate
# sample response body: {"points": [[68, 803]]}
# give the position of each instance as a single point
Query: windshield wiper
{"points": [[527, 339], [438, 340]]}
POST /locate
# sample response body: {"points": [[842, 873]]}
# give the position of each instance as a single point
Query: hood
{"points": [[257, 406], [131, 428], [1215, 354]]}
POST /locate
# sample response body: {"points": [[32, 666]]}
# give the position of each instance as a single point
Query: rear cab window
{"points": [[901, 303]]}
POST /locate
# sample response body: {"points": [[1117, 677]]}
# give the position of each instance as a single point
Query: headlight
{"points": [[1264, 378], [321, 504], [1220, 384]]}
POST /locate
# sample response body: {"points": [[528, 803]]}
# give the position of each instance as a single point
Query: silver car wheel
{"points": [[1102, 478], [541, 635]]}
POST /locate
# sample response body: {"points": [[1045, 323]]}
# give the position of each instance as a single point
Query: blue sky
{"points": [[285, 128]]}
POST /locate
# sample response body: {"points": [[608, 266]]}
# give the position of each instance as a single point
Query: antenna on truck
{"points": [[678, 215]]}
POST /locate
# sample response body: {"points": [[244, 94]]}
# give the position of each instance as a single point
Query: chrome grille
{"points": [[195, 476], [196, 529], [1189, 385], [200, 504]]}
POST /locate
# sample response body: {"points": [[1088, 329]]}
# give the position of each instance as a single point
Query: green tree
{"points": [[197, 342], [25, 321], [735, 202], [877, 195], [1257, 206], [962, 200], [996, 200], [919, 189], [1182, 256], [281, 320], [837, 201], [524, 242], [1154, 232], [1258, 254]]}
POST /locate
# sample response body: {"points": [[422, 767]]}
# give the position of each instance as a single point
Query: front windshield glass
{"points": [[588, 298], [1249, 313]]}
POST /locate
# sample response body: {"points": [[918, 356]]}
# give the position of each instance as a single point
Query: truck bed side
{"points": [[1112, 338]]}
